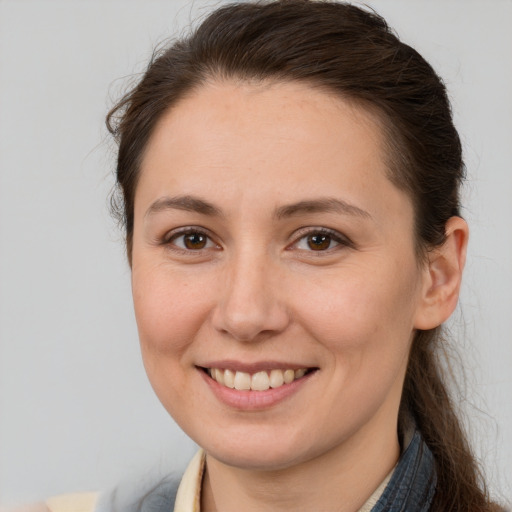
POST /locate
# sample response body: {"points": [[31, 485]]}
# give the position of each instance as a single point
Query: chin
{"points": [[257, 451], [255, 458]]}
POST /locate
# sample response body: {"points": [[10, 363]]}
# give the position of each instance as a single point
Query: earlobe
{"points": [[443, 276]]}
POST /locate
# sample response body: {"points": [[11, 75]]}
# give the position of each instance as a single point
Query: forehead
{"points": [[264, 137], [275, 107]]}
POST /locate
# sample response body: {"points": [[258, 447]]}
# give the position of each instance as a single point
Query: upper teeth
{"points": [[259, 381]]}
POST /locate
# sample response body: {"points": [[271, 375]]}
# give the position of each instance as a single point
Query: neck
{"points": [[342, 479]]}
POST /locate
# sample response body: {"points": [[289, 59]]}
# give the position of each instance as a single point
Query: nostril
{"points": [[250, 322]]}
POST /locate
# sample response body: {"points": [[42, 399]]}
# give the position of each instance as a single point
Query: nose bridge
{"points": [[249, 305]]}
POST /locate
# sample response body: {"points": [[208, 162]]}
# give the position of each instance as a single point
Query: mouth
{"points": [[258, 381]]}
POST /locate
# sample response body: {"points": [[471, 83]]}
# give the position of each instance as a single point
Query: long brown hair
{"points": [[352, 52]]}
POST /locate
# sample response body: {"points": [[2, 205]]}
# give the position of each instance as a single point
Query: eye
{"points": [[191, 240], [320, 240]]}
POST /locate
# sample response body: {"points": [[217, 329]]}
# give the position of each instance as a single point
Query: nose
{"points": [[249, 308]]}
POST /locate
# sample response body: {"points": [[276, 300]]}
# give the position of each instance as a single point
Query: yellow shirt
{"points": [[84, 502]]}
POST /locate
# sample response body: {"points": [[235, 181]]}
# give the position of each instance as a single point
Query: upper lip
{"points": [[259, 366]]}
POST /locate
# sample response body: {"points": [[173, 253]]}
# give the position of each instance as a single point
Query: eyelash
{"points": [[300, 235], [170, 240], [334, 236]]}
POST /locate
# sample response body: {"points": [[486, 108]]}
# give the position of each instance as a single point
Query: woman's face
{"points": [[268, 241]]}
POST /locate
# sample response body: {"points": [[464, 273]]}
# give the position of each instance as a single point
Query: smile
{"points": [[259, 381]]}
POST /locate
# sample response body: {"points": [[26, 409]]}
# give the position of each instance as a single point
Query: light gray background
{"points": [[76, 410]]}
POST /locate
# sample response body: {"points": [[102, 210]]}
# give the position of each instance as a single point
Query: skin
{"points": [[257, 291]]}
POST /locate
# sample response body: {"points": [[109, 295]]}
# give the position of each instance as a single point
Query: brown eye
{"points": [[195, 241], [319, 241], [191, 240]]}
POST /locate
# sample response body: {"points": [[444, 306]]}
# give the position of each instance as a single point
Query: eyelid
{"points": [[170, 236], [335, 235], [340, 239]]}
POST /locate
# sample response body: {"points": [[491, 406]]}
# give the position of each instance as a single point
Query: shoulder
{"points": [[147, 495], [82, 502], [34, 507]]}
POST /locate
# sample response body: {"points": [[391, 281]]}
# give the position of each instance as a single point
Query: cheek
{"points": [[362, 311], [364, 323], [170, 308]]}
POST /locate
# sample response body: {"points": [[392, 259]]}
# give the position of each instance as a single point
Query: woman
{"points": [[289, 177]]}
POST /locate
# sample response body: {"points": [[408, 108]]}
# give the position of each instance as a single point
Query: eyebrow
{"points": [[197, 205], [321, 206], [187, 203]]}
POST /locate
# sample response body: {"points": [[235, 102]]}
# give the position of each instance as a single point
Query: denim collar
{"points": [[413, 483]]}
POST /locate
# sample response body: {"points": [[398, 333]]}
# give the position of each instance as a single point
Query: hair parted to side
{"points": [[351, 52]]}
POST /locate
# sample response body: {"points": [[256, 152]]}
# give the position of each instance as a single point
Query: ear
{"points": [[443, 276]]}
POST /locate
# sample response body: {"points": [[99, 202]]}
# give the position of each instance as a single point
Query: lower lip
{"points": [[254, 400]]}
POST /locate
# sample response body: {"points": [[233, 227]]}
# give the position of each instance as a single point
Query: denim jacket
{"points": [[413, 483], [410, 489]]}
